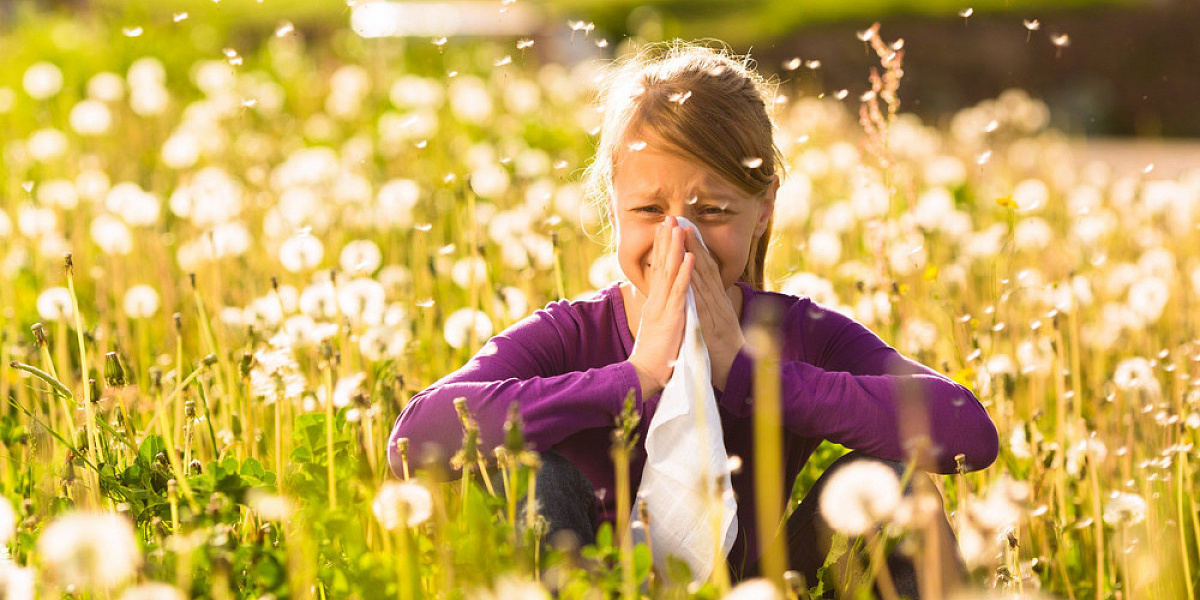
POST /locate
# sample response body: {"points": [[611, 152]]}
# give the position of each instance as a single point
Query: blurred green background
{"points": [[1126, 67]]}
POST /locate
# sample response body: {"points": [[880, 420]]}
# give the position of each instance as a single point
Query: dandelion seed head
{"points": [[460, 325], [89, 550], [860, 495], [755, 589], [140, 302], [360, 257], [300, 253], [402, 503], [152, 591], [111, 235], [55, 304], [1123, 508]]}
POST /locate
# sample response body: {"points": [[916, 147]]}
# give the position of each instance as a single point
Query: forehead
{"points": [[647, 165]]}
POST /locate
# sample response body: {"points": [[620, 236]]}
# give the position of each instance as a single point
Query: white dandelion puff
{"points": [[360, 256], [153, 591], [111, 235], [275, 374], [1124, 508], [141, 302], [54, 304], [42, 80], [755, 589], [462, 322], [402, 503], [89, 550], [859, 496], [300, 253], [90, 117], [8, 521]]}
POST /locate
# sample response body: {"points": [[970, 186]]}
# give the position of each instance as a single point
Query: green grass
{"points": [[223, 472]]}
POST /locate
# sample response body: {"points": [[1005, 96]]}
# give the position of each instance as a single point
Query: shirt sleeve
{"points": [[842, 383], [529, 365]]}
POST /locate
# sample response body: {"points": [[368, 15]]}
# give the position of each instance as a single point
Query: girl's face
{"points": [[656, 181]]}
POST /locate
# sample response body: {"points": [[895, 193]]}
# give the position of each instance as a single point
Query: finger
{"points": [[684, 279], [675, 253], [656, 262]]}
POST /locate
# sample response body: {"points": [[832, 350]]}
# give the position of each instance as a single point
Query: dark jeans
{"points": [[569, 504]]}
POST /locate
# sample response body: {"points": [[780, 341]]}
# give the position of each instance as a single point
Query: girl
{"points": [[687, 133]]}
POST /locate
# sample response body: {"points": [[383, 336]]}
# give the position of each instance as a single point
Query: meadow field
{"points": [[226, 264]]}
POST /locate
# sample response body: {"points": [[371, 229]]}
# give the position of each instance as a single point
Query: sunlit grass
{"points": [[267, 259]]}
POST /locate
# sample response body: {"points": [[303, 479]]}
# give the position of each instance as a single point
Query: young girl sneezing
{"points": [[687, 133]]}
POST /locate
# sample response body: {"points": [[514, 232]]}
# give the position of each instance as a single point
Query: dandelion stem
{"points": [[768, 447], [329, 454]]}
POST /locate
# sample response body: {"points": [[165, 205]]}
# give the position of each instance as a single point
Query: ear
{"points": [[767, 208]]}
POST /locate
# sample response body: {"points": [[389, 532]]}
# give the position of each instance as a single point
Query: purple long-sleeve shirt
{"points": [[566, 367]]}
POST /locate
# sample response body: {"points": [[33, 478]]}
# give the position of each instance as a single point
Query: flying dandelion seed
{"points": [[524, 43], [966, 12], [426, 303], [179, 16], [752, 162], [992, 126], [983, 158], [132, 31], [1060, 42], [423, 226], [1032, 25], [284, 28], [813, 64], [583, 26], [793, 64], [680, 97], [602, 43], [507, 60], [865, 35], [637, 146], [841, 94], [438, 41], [1148, 168], [867, 96]]}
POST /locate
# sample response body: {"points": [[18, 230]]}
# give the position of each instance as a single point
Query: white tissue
{"points": [[685, 483]]}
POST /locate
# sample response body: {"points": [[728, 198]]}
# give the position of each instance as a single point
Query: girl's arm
{"points": [[844, 384], [528, 365]]}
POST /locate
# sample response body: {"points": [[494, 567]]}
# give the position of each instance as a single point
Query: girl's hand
{"points": [[718, 319], [664, 314]]}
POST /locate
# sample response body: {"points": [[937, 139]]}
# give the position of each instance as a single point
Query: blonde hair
{"points": [[705, 102]]}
